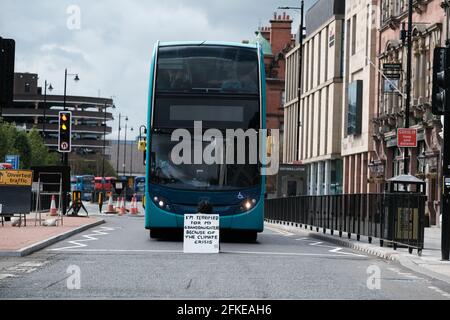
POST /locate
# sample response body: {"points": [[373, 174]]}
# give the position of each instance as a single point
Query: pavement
{"points": [[118, 260], [427, 263], [24, 240]]}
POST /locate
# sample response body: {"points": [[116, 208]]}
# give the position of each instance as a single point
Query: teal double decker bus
{"points": [[222, 87]]}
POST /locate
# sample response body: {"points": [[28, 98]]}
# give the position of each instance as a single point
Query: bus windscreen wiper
{"points": [[207, 90]]}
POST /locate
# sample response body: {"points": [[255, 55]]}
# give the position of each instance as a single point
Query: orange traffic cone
{"points": [[53, 210], [122, 208], [117, 205], [134, 209], [110, 207]]}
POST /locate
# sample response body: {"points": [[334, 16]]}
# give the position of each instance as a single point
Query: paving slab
{"points": [[24, 240]]}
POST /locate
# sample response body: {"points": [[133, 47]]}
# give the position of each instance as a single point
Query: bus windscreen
{"points": [[207, 69]]}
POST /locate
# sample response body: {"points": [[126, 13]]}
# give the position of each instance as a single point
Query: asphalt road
{"points": [[119, 260]]}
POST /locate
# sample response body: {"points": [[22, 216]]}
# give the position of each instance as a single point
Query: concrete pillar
{"points": [[319, 178], [327, 177], [345, 175], [357, 173], [313, 179], [351, 174], [364, 175]]}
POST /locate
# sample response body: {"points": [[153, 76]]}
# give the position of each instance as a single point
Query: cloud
{"points": [[111, 51]]}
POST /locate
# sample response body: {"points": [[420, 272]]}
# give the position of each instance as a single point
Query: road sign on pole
{"points": [[13, 160], [407, 138]]}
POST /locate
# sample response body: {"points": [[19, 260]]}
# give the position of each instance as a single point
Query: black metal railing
{"points": [[397, 219]]}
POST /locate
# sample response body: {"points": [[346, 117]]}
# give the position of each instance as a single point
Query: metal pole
{"points": [[118, 147], [65, 155], [408, 77], [131, 162], [445, 207], [300, 70], [104, 142], [445, 197], [125, 151], [45, 110]]}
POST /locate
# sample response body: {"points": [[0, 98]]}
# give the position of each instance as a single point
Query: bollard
{"points": [[100, 202]]}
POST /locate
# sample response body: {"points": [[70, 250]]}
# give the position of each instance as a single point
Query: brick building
{"points": [[276, 41], [388, 159]]}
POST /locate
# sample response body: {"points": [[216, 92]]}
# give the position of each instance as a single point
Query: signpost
{"points": [[13, 160], [406, 138], [201, 233], [16, 178]]}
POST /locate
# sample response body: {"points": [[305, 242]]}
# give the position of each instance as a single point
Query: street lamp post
{"points": [[118, 146], [125, 148], [408, 76], [50, 88], [118, 143], [300, 70], [131, 156], [65, 156]]}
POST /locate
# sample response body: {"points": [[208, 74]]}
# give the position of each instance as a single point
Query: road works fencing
{"points": [[397, 219]]}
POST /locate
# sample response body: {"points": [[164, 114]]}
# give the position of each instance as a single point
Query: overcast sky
{"points": [[111, 50]]}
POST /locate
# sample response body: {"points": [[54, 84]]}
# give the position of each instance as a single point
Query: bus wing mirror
{"points": [[142, 145]]}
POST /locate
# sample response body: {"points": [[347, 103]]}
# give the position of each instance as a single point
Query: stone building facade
{"points": [[320, 112], [359, 96], [388, 159]]}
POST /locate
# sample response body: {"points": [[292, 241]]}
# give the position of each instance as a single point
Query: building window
{"points": [[354, 108], [354, 34]]}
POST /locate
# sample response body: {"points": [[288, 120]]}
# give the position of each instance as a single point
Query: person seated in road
{"points": [[205, 207]]}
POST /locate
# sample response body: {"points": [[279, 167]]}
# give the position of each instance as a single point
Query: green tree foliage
{"points": [[29, 146], [23, 149], [40, 155]]}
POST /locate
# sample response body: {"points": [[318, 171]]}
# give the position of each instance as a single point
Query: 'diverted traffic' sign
{"points": [[16, 177]]}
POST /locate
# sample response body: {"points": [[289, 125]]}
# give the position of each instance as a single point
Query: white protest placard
{"points": [[201, 233]]}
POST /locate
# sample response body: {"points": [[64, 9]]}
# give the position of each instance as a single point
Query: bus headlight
{"points": [[161, 203], [248, 204]]}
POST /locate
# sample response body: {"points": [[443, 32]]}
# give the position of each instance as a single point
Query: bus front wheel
{"points": [[156, 233], [251, 236]]}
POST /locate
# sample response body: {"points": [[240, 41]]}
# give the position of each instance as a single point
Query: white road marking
{"points": [[334, 249], [88, 237], [405, 274], [6, 275], [181, 252], [25, 267], [441, 292]]}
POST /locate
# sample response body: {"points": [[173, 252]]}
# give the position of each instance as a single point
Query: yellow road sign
{"points": [[16, 177]]}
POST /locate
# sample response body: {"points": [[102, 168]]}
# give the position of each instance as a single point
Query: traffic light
{"points": [[440, 104], [65, 132]]}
